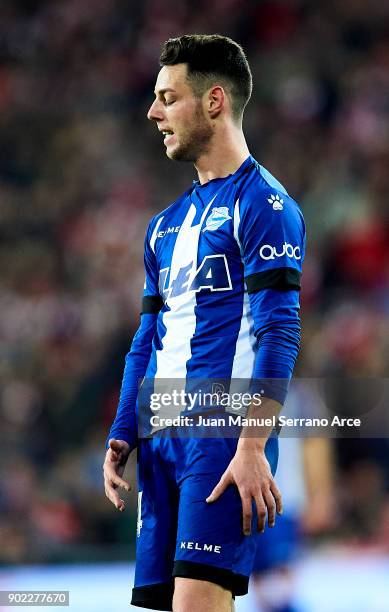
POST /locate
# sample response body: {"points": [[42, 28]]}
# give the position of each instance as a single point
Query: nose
{"points": [[155, 111]]}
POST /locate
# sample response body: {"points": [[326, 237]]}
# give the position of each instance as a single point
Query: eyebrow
{"points": [[160, 92]]}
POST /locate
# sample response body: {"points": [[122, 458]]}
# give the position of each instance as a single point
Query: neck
{"points": [[226, 153]]}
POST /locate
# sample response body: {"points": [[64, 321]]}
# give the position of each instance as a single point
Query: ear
{"points": [[216, 101]]}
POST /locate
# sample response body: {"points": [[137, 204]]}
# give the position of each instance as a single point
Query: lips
{"points": [[168, 138], [167, 135]]}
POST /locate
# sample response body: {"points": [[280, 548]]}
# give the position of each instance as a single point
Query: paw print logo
{"points": [[276, 202]]}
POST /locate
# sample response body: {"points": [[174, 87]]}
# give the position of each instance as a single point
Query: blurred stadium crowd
{"points": [[81, 174]]}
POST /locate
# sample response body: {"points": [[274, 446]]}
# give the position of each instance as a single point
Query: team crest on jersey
{"points": [[218, 216]]}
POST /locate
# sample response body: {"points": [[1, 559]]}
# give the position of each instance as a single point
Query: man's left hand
{"points": [[249, 470]]}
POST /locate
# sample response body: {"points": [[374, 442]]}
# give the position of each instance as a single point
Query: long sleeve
{"points": [[271, 234], [125, 427]]}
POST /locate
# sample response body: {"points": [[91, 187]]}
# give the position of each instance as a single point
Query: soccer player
{"points": [[223, 267]]}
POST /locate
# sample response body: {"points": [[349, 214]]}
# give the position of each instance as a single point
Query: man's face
{"points": [[179, 115]]}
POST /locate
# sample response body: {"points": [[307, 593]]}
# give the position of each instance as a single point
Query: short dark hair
{"points": [[211, 57]]}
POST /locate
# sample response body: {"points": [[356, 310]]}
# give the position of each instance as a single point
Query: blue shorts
{"points": [[178, 533]]}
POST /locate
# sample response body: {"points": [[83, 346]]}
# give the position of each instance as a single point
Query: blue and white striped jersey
{"points": [[223, 267], [206, 258]]}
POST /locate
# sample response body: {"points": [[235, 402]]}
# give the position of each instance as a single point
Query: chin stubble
{"points": [[196, 142]]}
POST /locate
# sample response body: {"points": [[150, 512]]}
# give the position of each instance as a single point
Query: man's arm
{"points": [[249, 470], [272, 247], [122, 438], [124, 426], [123, 435]]}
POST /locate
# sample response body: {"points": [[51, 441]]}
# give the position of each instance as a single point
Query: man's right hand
{"points": [[114, 464]]}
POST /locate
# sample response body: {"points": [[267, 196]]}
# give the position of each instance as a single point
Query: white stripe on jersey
{"points": [[245, 349], [245, 352], [180, 320], [154, 234], [236, 223]]}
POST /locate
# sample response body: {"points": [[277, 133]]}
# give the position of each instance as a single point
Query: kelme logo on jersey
{"points": [[169, 230], [267, 251], [218, 216], [213, 274], [216, 548], [276, 202]]}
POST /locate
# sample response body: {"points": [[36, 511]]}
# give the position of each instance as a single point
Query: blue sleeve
{"points": [[124, 426], [278, 347], [271, 234]]}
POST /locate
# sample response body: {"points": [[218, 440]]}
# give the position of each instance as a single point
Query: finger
{"points": [[112, 476], [113, 470], [118, 446], [120, 482], [115, 451], [219, 489], [113, 455], [277, 496], [114, 497], [271, 507], [247, 511], [115, 445], [121, 505], [261, 512]]}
